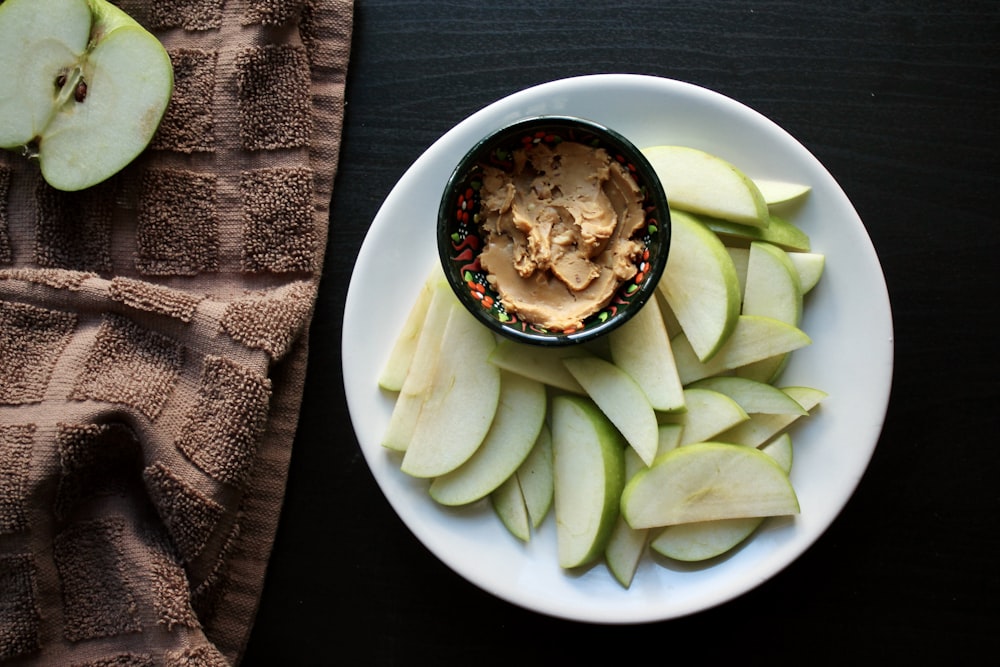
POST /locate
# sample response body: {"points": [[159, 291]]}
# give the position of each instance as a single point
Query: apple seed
{"points": [[80, 94]]}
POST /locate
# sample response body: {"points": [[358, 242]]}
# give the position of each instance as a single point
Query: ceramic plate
{"points": [[847, 315]]}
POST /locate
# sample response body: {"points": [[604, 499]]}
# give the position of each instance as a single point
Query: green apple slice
{"points": [[708, 481], [741, 258], [641, 348], [753, 339], [772, 290], [536, 478], [85, 89], [405, 346], [539, 363], [780, 232], [694, 542], [780, 449], [772, 284], [751, 395], [700, 182], [520, 414], [465, 390], [621, 399], [700, 285], [626, 545], [589, 459], [760, 428], [709, 413], [669, 437], [420, 374], [810, 266], [508, 504], [781, 192]]}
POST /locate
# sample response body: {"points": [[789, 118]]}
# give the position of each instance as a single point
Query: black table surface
{"points": [[900, 100]]}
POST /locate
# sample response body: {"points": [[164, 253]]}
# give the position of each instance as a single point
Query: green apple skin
{"points": [[85, 91], [589, 474], [779, 231], [707, 481], [700, 285]]}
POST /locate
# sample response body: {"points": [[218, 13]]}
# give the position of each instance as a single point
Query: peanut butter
{"points": [[559, 231]]}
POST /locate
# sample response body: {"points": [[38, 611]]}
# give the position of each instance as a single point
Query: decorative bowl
{"points": [[460, 239]]}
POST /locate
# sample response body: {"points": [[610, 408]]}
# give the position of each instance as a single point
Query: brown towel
{"points": [[153, 341]]}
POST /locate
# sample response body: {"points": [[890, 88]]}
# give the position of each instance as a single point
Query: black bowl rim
{"points": [[647, 288]]}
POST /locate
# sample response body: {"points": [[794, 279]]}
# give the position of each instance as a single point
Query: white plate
{"points": [[847, 315]]}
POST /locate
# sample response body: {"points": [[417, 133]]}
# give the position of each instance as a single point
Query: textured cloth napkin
{"points": [[153, 343]]}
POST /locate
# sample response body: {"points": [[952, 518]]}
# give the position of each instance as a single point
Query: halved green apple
{"points": [[83, 90]]}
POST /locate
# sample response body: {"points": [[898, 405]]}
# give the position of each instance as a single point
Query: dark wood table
{"points": [[900, 101]]}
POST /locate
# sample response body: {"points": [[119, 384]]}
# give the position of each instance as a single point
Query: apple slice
{"points": [[753, 339], [84, 90], [641, 348], [781, 192], [760, 428], [621, 399], [810, 266], [704, 183], [741, 258], [508, 504], [463, 398], [780, 449], [589, 457], [708, 481], [772, 284], [536, 478], [420, 374], [626, 545], [694, 542], [709, 413], [398, 363], [539, 363], [520, 414], [669, 437], [700, 285], [780, 232], [772, 290], [702, 540], [751, 395]]}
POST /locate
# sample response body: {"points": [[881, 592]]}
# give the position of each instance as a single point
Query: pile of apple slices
{"points": [[670, 434]]}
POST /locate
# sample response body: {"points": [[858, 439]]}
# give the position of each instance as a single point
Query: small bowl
{"points": [[460, 240]]}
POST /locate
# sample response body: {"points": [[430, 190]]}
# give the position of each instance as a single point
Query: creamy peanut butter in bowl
{"points": [[553, 230]]}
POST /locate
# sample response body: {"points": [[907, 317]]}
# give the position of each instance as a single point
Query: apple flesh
{"points": [[621, 400], [641, 348], [84, 89], [520, 414], [700, 182], [461, 402]]}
